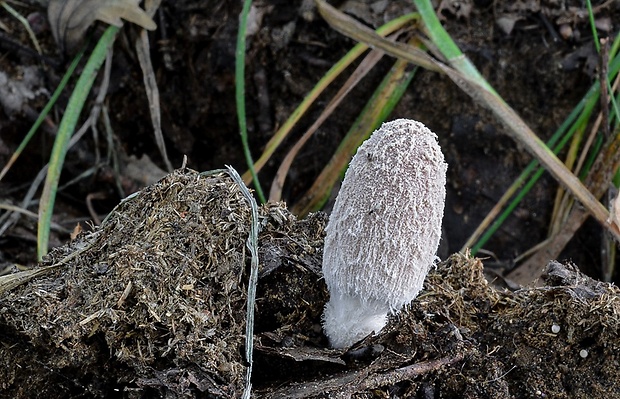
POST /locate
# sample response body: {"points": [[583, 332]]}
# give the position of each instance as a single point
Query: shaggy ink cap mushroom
{"points": [[384, 230]]}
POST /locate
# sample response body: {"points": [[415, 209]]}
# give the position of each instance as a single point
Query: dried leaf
{"points": [[76, 231], [69, 19]]}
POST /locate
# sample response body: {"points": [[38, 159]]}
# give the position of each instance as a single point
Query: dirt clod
{"points": [[152, 302]]}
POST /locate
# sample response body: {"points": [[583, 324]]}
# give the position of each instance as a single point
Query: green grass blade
{"points": [[65, 130], [584, 109], [597, 44], [577, 117], [240, 95], [446, 45]]}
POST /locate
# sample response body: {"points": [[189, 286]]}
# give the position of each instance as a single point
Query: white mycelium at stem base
{"points": [[384, 230]]}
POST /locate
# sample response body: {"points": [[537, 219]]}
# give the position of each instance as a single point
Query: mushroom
{"points": [[384, 230]]}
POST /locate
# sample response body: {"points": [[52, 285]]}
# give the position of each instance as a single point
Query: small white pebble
{"points": [[583, 353], [555, 329]]}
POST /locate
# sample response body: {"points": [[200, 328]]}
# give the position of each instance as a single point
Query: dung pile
{"points": [[462, 338], [153, 301], [153, 304]]}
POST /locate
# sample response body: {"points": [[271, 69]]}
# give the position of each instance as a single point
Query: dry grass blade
{"points": [[598, 181], [375, 111], [150, 84], [515, 126], [69, 19], [568, 219], [14, 280], [25, 23], [563, 201], [365, 66], [311, 97], [32, 215], [11, 281], [355, 30]]}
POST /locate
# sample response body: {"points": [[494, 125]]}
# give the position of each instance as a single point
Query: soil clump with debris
{"points": [[153, 304]]}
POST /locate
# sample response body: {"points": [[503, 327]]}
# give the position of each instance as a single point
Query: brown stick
{"points": [[348, 383]]}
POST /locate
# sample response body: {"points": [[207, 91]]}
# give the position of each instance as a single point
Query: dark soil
{"points": [[461, 337]]}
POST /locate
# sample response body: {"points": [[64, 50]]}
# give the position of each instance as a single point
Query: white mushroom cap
{"points": [[384, 230]]}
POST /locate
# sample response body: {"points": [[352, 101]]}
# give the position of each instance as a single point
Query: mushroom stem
{"points": [[348, 319]]}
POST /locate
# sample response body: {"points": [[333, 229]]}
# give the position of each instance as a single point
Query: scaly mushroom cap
{"points": [[384, 230]]}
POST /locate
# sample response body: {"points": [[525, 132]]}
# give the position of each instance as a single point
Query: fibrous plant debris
{"points": [[463, 338], [152, 304]]}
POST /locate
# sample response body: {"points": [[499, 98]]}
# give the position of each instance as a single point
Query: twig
{"points": [[351, 382], [406, 373]]}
